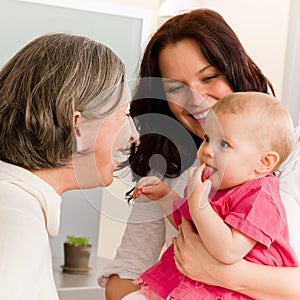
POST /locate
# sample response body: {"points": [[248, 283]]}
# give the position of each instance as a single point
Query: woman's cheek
{"points": [[122, 137]]}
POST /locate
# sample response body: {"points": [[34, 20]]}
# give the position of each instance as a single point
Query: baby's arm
{"points": [[153, 188], [225, 243]]}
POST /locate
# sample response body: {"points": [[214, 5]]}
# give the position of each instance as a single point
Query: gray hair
{"points": [[41, 87]]}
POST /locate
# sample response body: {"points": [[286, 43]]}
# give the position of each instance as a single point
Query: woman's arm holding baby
{"points": [[254, 280]]}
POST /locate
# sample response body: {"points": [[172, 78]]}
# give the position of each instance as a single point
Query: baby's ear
{"points": [[268, 162]]}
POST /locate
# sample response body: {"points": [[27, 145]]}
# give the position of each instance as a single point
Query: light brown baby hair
{"points": [[273, 124]]}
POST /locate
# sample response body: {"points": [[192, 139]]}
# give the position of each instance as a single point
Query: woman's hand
{"points": [[251, 279]]}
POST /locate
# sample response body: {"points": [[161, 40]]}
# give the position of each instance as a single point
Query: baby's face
{"points": [[231, 150]]}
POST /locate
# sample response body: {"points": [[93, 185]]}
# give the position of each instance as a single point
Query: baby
{"points": [[232, 197]]}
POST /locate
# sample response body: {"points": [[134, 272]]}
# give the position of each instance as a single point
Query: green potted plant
{"points": [[77, 252]]}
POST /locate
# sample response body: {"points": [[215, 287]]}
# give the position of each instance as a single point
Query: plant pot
{"points": [[76, 259]]}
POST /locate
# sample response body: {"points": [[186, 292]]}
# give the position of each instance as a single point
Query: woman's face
{"points": [[113, 137], [102, 140], [191, 84]]}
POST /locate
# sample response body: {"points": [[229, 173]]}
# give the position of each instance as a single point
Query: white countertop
{"points": [[79, 287]]}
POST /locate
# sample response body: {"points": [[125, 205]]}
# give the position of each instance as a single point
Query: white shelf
{"points": [[79, 287]]}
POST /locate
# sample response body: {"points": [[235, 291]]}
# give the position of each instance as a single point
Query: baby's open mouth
{"points": [[208, 172]]}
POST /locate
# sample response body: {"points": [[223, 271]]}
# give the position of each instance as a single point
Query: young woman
{"points": [[64, 114], [192, 61]]}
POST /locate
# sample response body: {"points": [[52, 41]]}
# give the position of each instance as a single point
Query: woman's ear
{"points": [[268, 162], [76, 118]]}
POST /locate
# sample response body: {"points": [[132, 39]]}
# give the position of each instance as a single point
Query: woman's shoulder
{"points": [[290, 191], [292, 165], [289, 175]]}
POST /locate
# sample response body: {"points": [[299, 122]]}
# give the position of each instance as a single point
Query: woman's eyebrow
{"points": [[170, 80], [167, 80], [205, 68]]}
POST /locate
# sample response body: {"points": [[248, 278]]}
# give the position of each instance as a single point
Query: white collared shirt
{"points": [[29, 211]]}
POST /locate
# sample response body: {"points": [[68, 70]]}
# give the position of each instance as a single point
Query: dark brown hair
{"points": [[222, 49], [42, 86]]}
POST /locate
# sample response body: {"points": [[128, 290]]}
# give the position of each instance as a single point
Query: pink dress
{"points": [[256, 210]]}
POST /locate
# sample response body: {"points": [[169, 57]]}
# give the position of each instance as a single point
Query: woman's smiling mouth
{"points": [[200, 117]]}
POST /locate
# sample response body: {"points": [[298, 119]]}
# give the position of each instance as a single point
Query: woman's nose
{"points": [[200, 96], [134, 134], [195, 98]]}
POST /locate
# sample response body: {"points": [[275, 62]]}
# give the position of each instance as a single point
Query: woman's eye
{"points": [[126, 115], [208, 78], [174, 89]]}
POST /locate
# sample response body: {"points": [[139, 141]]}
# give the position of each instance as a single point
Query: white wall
{"points": [[291, 90], [151, 5], [262, 26]]}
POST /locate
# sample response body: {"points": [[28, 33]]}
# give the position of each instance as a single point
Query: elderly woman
{"points": [[63, 117]]}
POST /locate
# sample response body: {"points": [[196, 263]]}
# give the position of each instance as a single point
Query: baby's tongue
{"points": [[207, 172]]}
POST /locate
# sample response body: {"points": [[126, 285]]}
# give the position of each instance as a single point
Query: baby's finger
{"points": [[201, 168], [148, 181], [146, 189], [199, 172], [186, 228], [137, 192], [192, 172]]}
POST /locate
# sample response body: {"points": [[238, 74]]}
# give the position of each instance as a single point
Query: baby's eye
{"points": [[206, 138], [224, 144]]}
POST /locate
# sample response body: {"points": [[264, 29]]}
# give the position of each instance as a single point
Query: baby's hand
{"points": [[194, 177], [152, 187], [143, 183], [198, 190]]}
